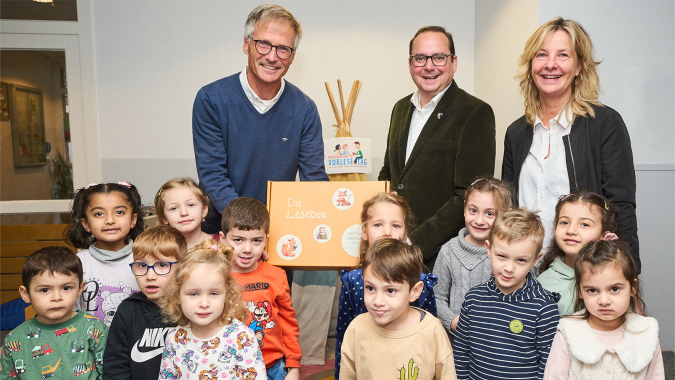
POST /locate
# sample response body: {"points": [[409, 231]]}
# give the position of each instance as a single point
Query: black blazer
{"points": [[456, 144], [599, 159]]}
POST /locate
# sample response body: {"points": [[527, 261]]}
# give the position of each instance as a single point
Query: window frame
{"points": [[76, 40]]}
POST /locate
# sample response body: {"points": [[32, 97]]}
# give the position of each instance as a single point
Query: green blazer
{"points": [[456, 145]]}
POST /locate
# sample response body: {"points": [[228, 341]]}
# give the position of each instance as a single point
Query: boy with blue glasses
{"points": [[137, 333]]}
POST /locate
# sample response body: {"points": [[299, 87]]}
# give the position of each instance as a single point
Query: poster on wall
{"points": [[317, 225], [28, 126], [347, 155], [4, 102]]}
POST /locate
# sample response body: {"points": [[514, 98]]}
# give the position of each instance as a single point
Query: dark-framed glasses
{"points": [[161, 268], [420, 60], [264, 47]]}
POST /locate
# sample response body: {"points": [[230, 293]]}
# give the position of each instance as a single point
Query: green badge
{"points": [[516, 326]]}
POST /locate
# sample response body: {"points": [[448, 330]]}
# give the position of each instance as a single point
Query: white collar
{"points": [[416, 98], [252, 96], [635, 351], [563, 119]]}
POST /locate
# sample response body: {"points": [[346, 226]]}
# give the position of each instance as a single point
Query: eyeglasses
{"points": [[420, 60], [263, 47], [161, 268]]}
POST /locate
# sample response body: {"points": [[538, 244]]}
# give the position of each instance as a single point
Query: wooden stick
{"points": [[351, 96], [356, 95], [350, 105], [332, 103], [342, 101]]}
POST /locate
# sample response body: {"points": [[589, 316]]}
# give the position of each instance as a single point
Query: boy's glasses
{"points": [[161, 268]]}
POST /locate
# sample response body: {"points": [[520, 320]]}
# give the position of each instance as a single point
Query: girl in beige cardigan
{"points": [[606, 338]]}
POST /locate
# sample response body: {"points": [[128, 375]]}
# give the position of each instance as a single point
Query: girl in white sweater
{"points": [[606, 338]]}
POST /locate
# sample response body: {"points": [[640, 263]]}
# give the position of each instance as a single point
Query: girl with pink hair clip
{"points": [[105, 220]]}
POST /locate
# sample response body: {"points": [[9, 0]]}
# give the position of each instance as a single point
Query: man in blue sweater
{"points": [[254, 127]]}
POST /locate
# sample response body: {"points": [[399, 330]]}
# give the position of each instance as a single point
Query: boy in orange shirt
{"points": [[245, 226]]}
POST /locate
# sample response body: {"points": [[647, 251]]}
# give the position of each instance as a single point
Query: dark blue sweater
{"points": [[490, 345], [238, 149]]}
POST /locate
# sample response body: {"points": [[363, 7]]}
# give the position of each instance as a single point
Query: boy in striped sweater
{"points": [[507, 324]]}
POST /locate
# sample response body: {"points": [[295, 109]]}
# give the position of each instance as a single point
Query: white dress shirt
{"points": [[543, 180], [261, 105], [419, 118]]}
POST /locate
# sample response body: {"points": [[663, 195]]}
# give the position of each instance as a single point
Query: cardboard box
{"points": [[317, 225]]}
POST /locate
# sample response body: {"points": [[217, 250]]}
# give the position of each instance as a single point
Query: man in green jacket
{"points": [[440, 139]]}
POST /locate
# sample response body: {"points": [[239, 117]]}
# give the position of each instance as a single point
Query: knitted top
{"points": [[238, 149], [460, 266]]}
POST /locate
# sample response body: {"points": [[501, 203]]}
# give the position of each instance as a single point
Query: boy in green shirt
{"points": [[59, 342]]}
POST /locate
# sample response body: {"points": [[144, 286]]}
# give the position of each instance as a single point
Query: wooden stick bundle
{"points": [[343, 123]]}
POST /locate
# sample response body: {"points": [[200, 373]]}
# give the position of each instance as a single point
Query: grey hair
{"points": [[269, 12]]}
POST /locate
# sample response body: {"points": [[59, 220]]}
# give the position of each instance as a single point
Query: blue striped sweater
{"points": [[489, 343]]}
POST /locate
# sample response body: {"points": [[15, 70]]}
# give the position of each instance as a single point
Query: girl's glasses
{"points": [[161, 268]]}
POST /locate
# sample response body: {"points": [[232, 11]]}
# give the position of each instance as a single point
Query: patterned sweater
{"points": [[232, 353], [69, 350]]}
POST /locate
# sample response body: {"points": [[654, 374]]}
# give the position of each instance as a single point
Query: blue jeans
{"points": [[277, 371]]}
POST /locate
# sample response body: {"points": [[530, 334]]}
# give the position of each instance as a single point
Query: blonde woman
{"points": [[568, 141]]}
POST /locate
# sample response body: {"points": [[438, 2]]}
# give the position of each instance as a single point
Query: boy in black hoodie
{"points": [[137, 333]]}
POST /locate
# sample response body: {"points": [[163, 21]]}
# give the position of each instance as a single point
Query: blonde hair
{"points": [[218, 260], [175, 184], [164, 240], [366, 214], [500, 191], [584, 90], [516, 225]]}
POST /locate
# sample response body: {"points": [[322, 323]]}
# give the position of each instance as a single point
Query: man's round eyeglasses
{"points": [[420, 60], [263, 47], [161, 268]]}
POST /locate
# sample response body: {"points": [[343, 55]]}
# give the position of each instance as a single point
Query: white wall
{"points": [[636, 40], [502, 28], [152, 57]]}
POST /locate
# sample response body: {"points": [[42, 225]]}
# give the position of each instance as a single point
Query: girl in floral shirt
{"points": [[210, 342]]}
